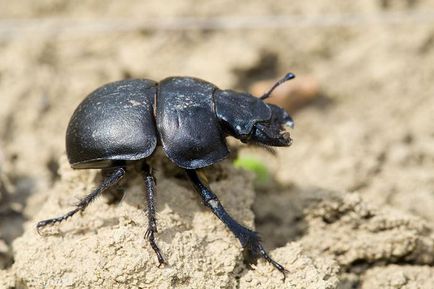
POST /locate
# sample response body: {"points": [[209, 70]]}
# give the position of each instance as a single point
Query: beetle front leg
{"points": [[152, 221], [249, 239]]}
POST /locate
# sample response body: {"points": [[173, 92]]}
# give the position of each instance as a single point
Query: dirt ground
{"points": [[349, 205]]}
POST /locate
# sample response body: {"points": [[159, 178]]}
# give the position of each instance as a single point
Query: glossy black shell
{"points": [[115, 122], [189, 128], [190, 118]]}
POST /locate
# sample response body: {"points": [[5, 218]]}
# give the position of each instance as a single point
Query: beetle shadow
{"points": [[175, 196], [280, 211], [15, 190]]}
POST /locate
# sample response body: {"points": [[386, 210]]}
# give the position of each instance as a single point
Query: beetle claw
{"points": [[254, 249], [38, 228], [150, 236], [161, 263]]}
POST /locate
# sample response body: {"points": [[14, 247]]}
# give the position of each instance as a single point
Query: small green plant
{"points": [[252, 164]]}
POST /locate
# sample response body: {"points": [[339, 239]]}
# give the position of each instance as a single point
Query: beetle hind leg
{"points": [[108, 182], [152, 221], [249, 239]]}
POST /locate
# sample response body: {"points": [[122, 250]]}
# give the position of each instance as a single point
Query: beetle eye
{"points": [[289, 124]]}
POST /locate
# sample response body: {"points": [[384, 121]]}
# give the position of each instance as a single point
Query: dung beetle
{"points": [[124, 121]]}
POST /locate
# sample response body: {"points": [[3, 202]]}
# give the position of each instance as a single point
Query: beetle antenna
{"points": [[287, 77]]}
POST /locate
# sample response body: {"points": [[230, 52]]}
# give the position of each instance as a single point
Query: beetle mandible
{"points": [[123, 122]]}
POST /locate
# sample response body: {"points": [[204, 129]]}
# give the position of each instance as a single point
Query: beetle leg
{"points": [[249, 239], [108, 182], [152, 221]]}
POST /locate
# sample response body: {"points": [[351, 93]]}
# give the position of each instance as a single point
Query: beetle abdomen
{"points": [[188, 126], [115, 122]]}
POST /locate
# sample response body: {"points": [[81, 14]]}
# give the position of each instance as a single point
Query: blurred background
{"points": [[363, 99]]}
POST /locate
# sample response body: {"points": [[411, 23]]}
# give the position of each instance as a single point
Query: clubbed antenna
{"points": [[287, 77]]}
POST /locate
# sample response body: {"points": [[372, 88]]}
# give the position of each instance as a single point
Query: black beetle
{"points": [[124, 121]]}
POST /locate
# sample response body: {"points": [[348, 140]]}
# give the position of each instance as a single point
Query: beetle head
{"points": [[273, 132], [251, 120]]}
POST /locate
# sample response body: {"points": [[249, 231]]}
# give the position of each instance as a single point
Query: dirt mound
{"points": [[113, 253], [399, 277], [352, 199]]}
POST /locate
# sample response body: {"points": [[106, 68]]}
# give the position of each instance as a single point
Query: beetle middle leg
{"points": [[152, 221], [108, 182], [249, 239]]}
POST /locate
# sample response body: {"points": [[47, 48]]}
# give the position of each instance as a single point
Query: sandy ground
{"points": [[349, 205]]}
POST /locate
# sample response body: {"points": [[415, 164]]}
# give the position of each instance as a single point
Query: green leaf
{"points": [[252, 164]]}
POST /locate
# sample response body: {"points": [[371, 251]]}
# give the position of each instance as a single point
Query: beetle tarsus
{"points": [[52, 221], [249, 239], [152, 221], [108, 182], [255, 249], [150, 236]]}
